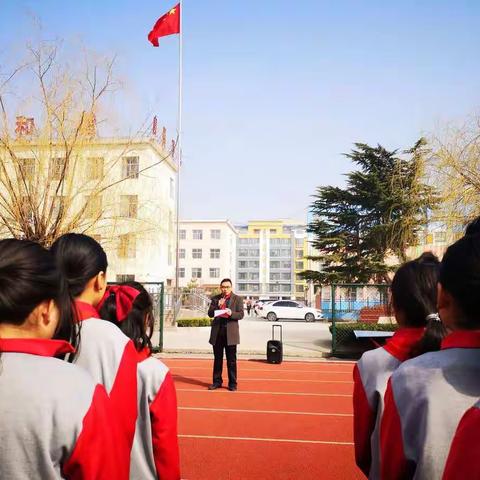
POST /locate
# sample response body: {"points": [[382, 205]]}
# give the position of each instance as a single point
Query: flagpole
{"points": [[179, 159]]}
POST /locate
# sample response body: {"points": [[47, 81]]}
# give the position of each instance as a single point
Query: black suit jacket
{"points": [[235, 304]]}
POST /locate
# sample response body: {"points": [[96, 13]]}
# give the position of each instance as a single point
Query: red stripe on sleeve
{"points": [[464, 457], [393, 463], [124, 404], [163, 414], [95, 454], [363, 424]]}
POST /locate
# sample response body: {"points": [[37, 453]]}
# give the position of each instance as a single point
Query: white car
{"points": [[288, 309]]}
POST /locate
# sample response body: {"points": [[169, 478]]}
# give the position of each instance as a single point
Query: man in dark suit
{"points": [[225, 333]]}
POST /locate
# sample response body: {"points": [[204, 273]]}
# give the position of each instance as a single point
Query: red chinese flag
{"points": [[167, 24]]}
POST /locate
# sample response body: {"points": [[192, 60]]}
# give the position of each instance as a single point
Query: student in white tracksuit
{"points": [[414, 300], [428, 395], [54, 419], [106, 353], [155, 449]]}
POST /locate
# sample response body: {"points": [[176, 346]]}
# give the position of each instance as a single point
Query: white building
{"points": [[207, 252], [120, 191]]}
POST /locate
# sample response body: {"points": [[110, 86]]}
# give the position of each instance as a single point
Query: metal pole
{"points": [[179, 159], [162, 313], [334, 327]]}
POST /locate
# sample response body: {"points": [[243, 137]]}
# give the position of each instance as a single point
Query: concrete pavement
{"points": [[300, 339]]}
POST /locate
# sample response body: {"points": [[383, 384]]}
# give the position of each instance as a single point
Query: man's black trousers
{"points": [[231, 354]]}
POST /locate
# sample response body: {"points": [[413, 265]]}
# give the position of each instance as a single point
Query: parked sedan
{"points": [[288, 309]]}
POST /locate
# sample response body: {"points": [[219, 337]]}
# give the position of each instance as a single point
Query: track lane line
{"points": [[349, 372], [202, 390], [258, 439], [280, 412], [179, 377]]}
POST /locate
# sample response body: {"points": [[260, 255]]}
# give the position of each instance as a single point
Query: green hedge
{"points": [[194, 322], [345, 329]]}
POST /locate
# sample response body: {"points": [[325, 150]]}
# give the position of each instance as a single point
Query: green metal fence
{"points": [[354, 307]]}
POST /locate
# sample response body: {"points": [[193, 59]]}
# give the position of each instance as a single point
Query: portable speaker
{"points": [[275, 347]]}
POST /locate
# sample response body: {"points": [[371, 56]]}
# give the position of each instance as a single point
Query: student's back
{"points": [[414, 296], [428, 395]]}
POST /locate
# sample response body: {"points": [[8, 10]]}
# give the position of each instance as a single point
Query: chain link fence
{"points": [[355, 307]]}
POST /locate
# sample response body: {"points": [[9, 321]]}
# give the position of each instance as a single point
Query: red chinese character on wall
{"points": [[24, 126]]}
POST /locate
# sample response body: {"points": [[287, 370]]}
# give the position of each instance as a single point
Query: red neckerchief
{"points": [[85, 310], [143, 354], [227, 298], [35, 346], [462, 339], [402, 341]]}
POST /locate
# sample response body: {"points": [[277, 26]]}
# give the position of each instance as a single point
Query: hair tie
{"points": [[433, 316], [124, 298]]}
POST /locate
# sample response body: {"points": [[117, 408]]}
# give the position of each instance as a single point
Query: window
{"points": [[253, 252], [248, 241], [181, 253], [299, 254], [285, 288], [275, 264], [286, 264], [198, 234], [172, 188], [242, 276], [285, 252], [214, 253], [196, 272], [274, 276], [131, 167], [57, 167], [299, 265], [286, 276], [128, 246], [256, 231], [93, 206], [299, 242], [181, 272], [128, 206], [275, 288], [254, 264], [214, 273], [242, 287], [275, 252], [299, 288], [243, 252], [242, 264], [280, 241], [125, 277], [182, 234], [196, 253], [215, 234], [273, 231], [95, 168], [26, 168], [253, 276]]}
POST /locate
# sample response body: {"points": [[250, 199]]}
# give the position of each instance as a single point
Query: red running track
{"points": [[285, 422]]}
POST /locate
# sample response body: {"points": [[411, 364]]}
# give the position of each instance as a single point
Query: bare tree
{"points": [[55, 171], [455, 170]]}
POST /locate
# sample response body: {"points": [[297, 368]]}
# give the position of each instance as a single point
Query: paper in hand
{"points": [[218, 313]]}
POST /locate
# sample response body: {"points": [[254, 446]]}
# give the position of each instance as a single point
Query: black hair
{"points": [[29, 276], [460, 276], [139, 323], [414, 293], [473, 227], [79, 258], [226, 280]]}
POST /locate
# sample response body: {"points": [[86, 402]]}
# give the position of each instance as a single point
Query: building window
{"points": [[299, 288], [125, 277], [256, 231], [242, 264], [274, 276], [275, 252], [128, 246], [253, 252], [214, 273], [181, 272], [299, 265], [243, 252], [214, 253], [253, 276], [198, 234], [274, 264], [57, 168], [254, 264], [299, 242], [93, 206], [242, 287], [242, 276], [131, 167], [196, 272], [26, 169], [273, 231], [196, 253], [286, 276], [172, 188], [299, 254], [95, 168], [182, 234], [128, 206], [215, 234], [181, 253]]}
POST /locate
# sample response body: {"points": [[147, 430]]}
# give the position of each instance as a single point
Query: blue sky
{"points": [[275, 91]]}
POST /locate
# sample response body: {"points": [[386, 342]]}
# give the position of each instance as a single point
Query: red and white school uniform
{"points": [[155, 447], [424, 402], [111, 359], [370, 375], [464, 458], [54, 419]]}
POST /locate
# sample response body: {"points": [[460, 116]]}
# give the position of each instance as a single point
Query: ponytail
{"points": [[431, 340]]}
